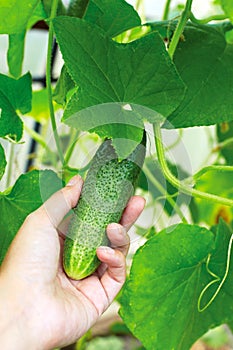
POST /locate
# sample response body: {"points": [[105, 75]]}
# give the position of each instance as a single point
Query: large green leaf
{"points": [[14, 15], [112, 16], [28, 193], [160, 298], [139, 73], [15, 95], [204, 61], [2, 161]]}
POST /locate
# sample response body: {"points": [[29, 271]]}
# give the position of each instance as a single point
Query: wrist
{"points": [[14, 333]]}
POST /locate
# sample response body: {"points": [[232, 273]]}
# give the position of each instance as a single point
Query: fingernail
{"points": [[106, 250], [74, 180], [116, 229]]}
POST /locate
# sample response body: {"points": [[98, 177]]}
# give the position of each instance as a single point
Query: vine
{"points": [[179, 184], [48, 80]]}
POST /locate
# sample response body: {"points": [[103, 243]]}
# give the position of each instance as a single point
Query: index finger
{"points": [[132, 211]]}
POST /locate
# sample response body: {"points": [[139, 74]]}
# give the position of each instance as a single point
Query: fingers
{"points": [[118, 237], [114, 277], [59, 204], [132, 211]]}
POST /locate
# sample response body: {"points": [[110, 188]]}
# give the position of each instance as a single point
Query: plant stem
{"points": [[180, 27], [10, 165], [71, 147], [166, 10], [177, 183], [48, 80], [164, 192], [219, 168], [37, 137], [208, 19], [224, 144]]}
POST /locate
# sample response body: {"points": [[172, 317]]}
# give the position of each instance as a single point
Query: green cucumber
{"points": [[108, 186]]}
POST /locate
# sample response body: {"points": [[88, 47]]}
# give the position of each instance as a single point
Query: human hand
{"points": [[40, 307]]}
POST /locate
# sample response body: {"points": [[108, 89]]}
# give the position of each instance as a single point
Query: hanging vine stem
{"points": [[164, 192], [48, 80], [215, 280], [166, 10], [208, 19], [182, 186], [180, 27], [10, 164]]}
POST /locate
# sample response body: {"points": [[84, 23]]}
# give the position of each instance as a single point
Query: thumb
{"points": [[37, 238], [59, 204]]}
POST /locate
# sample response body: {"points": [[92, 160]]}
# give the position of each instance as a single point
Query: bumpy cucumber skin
{"points": [[109, 185]]}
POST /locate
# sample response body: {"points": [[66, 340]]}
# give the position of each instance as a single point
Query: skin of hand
{"points": [[40, 307]]}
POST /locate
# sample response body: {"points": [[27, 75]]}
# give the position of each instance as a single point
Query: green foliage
{"points": [[28, 193], [15, 95], [118, 75], [159, 300], [113, 74]]}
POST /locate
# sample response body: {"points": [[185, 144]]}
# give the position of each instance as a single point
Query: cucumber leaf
{"points": [[2, 161], [28, 193], [209, 70], [140, 73], [112, 16], [160, 298], [15, 95]]}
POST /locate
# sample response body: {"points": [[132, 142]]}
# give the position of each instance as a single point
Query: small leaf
{"points": [[2, 161], [28, 193], [15, 95], [15, 53], [63, 87], [113, 16], [14, 15]]}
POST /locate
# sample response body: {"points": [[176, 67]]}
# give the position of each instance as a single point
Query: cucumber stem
{"points": [[48, 80], [180, 27], [181, 186], [164, 192], [166, 10]]}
